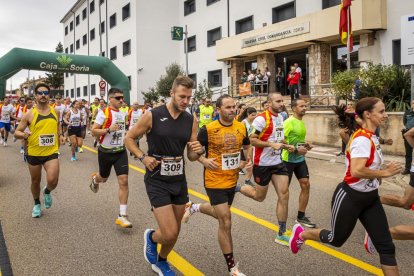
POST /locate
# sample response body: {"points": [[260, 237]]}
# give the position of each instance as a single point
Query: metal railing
{"points": [[321, 96]]}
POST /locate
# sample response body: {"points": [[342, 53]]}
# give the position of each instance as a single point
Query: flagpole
{"points": [[348, 41]]}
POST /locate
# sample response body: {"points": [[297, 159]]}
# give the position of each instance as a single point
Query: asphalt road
{"points": [[77, 236]]}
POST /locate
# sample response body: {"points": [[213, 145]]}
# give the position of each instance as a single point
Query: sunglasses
{"points": [[45, 92], [118, 98]]}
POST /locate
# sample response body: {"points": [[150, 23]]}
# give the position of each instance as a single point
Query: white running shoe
{"points": [[369, 246], [1, 140], [234, 271], [4, 144], [187, 212], [123, 222], [21, 151]]}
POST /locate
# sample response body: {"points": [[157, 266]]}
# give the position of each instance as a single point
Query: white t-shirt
{"points": [[85, 116], [6, 112], [75, 118], [361, 147], [61, 108], [135, 116], [268, 156], [114, 139]]}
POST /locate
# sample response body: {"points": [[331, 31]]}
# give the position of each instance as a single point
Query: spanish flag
{"points": [[343, 24]]}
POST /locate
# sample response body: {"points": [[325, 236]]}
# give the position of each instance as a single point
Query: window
{"points": [[339, 58], [71, 48], [67, 75], [92, 34], [103, 53], [77, 20], [66, 50], [67, 93], [84, 13], [77, 44], [101, 2], [112, 21], [126, 47], [244, 25], [66, 30], [126, 12], [209, 2], [102, 27], [72, 93], [189, 7], [78, 92], [85, 91], [213, 36], [396, 52], [194, 78], [84, 39], [112, 53], [129, 81], [91, 7], [93, 89], [330, 3], [214, 77], [71, 26], [191, 43], [283, 12]]}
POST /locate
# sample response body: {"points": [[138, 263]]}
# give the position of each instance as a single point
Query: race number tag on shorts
{"points": [[46, 140], [279, 133], [172, 166], [230, 161]]}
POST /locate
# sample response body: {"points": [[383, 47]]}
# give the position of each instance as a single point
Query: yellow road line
{"points": [[176, 260], [318, 246]]}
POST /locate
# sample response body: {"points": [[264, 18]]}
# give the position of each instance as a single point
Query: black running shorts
{"points": [[220, 196], [263, 174], [119, 160], [162, 194], [412, 179], [77, 131], [40, 160], [300, 169]]}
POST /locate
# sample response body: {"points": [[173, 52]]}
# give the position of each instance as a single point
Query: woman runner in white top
{"points": [[74, 119]]}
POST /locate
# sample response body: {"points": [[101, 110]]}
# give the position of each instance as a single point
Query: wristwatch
{"points": [[142, 157], [108, 130]]}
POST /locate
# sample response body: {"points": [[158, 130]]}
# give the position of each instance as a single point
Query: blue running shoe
{"points": [[150, 248], [47, 198], [73, 158], [37, 211], [163, 269]]}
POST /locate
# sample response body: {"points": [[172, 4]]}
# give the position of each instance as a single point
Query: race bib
{"points": [[46, 140], [279, 133], [172, 166], [230, 161], [6, 116], [207, 116], [75, 122]]}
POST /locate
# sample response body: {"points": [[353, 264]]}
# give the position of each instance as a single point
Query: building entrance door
{"points": [[287, 59]]}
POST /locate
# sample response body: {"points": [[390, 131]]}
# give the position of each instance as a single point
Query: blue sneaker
{"points": [[163, 269], [47, 198], [150, 248], [282, 239], [73, 158], [37, 211]]}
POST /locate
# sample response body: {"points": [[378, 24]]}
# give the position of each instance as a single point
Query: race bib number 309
{"points": [[46, 140], [172, 166]]}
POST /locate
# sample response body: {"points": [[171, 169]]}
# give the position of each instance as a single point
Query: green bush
{"points": [[164, 84]]}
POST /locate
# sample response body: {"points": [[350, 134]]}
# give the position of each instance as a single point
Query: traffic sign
{"points": [[177, 33], [102, 84]]}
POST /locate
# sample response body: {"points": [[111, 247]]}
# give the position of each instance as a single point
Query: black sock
{"points": [[301, 215], [47, 191], [161, 259], [37, 201], [150, 236], [229, 260]]}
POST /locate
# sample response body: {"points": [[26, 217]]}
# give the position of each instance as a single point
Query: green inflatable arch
{"points": [[18, 59]]}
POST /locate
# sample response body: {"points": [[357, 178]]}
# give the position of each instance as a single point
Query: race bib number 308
{"points": [[172, 166], [230, 161], [46, 140]]}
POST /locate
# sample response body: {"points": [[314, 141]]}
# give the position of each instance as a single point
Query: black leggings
{"points": [[349, 205]]}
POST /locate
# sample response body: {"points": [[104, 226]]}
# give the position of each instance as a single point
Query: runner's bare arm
{"points": [[60, 135], [359, 169], [194, 148], [66, 118], [19, 132], [143, 126]]}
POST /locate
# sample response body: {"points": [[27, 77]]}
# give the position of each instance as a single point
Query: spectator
{"points": [[408, 121], [293, 79], [258, 81], [266, 79], [299, 71], [244, 77], [357, 89], [280, 81]]}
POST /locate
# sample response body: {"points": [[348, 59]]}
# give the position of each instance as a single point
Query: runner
{"points": [[169, 129], [356, 197], [102, 106], [268, 140], [92, 114], [85, 122], [20, 110], [43, 143], [206, 113], [74, 119], [247, 118], [7, 112], [134, 115], [109, 126], [222, 140], [295, 134]]}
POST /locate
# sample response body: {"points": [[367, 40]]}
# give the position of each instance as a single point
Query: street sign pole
{"points": [[412, 83], [186, 50]]}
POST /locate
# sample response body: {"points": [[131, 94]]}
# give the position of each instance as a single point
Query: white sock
{"points": [[122, 210], [195, 208]]}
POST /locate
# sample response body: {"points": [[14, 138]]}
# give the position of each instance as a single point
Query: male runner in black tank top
{"points": [[169, 130]]}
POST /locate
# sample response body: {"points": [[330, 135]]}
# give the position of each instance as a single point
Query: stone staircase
{"points": [[256, 101]]}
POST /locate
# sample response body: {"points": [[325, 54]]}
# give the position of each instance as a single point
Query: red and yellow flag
{"points": [[343, 24]]}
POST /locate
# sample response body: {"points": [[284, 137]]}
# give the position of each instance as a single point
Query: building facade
{"points": [[227, 37]]}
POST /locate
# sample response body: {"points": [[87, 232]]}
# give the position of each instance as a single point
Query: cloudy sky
{"points": [[33, 24]]}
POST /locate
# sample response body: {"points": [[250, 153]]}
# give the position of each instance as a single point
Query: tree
{"points": [[151, 95], [203, 91], [164, 84], [343, 83], [55, 79]]}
